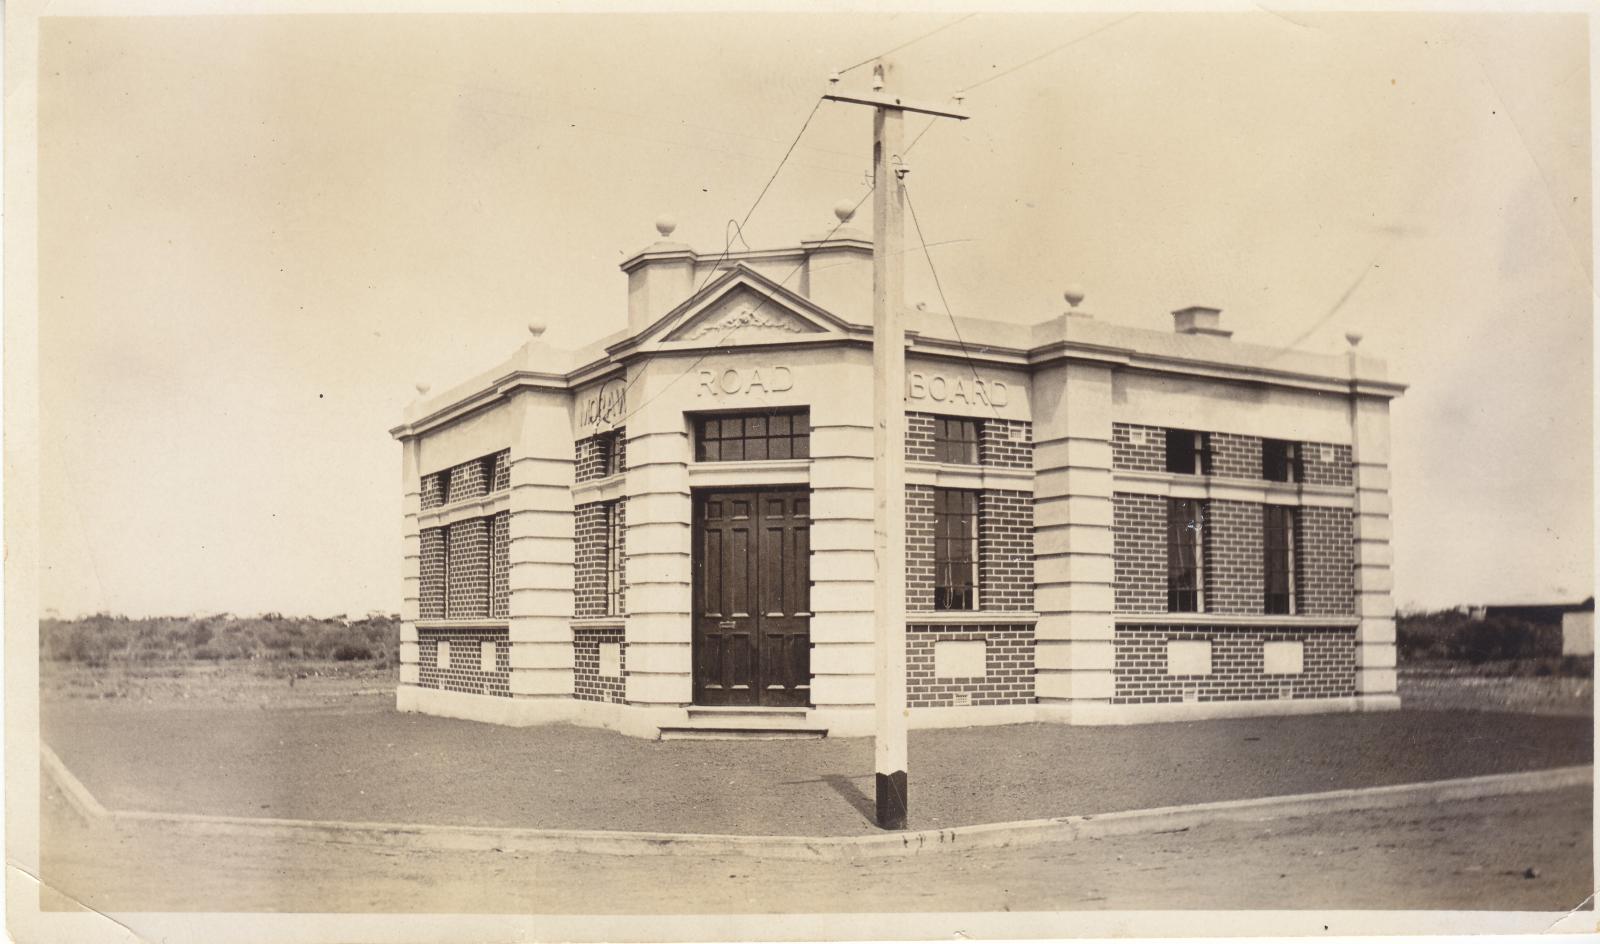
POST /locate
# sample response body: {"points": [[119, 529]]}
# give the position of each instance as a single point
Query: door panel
{"points": [[752, 636]]}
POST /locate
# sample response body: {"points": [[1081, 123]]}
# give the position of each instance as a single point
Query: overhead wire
{"points": [[965, 351], [738, 226], [1050, 52], [804, 257], [909, 42]]}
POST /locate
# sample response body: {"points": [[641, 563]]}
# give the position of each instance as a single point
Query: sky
{"points": [[257, 234]]}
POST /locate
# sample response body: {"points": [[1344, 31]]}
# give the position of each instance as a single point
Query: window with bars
{"points": [[955, 549], [614, 562], [608, 449], [1185, 556], [1280, 460], [955, 440], [1188, 452], [753, 436], [1278, 539]]}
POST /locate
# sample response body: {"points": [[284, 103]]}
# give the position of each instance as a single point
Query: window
{"points": [[755, 436], [955, 549], [1187, 452], [1280, 460], [955, 440], [1185, 556], [613, 549], [608, 450], [1278, 540]]}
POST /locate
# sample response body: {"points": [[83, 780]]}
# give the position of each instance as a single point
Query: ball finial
{"points": [[1073, 295], [844, 210], [1354, 337], [665, 225], [423, 388]]}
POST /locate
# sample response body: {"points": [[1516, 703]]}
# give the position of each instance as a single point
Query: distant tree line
{"points": [[1511, 645], [103, 638]]}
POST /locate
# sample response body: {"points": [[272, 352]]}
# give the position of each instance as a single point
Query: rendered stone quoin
{"points": [[1088, 508]]}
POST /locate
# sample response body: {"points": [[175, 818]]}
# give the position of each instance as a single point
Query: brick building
{"points": [[670, 531]]}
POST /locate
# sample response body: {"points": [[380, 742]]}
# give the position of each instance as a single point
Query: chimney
{"points": [[839, 268], [1197, 319], [659, 277]]}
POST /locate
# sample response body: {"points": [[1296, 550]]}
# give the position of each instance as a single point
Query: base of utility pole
{"points": [[892, 800]]}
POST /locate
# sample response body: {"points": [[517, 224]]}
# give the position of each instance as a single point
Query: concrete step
{"points": [[741, 722]]}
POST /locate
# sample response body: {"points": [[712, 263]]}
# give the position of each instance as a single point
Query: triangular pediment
{"points": [[746, 314], [741, 306]]}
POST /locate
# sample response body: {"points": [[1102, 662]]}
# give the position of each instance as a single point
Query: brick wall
{"points": [[1234, 456], [430, 605], [467, 569], [589, 561], [1005, 550], [588, 683], [1139, 530], [1237, 668], [919, 547], [1005, 444], [1008, 679], [919, 437], [1129, 456], [465, 672], [1336, 470], [500, 565], [1235, 561], [1324, 562], [591, 458], [474, 479]]}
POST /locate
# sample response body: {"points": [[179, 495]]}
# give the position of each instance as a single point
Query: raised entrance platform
{"points": [[743, 723]]}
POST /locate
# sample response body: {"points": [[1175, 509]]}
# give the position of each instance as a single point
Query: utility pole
{"points": [[889, 433]]}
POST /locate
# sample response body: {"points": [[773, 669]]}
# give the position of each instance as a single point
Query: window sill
{"points": [[490, 504], [598, 622], [1233, 619], [963, 617], [485, 623], [1259, 491], [979, 477], [610, 488]]}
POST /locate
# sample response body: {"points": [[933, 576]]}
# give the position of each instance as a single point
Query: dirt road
{"points": [[1462, 855]]}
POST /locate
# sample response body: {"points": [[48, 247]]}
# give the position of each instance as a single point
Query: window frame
{"points": [[615, 585], [1198, 451], [955, 505], [1194, 525], [714, 448], [1290, 461], [605, 446], [1285, 528], [956, 450]]}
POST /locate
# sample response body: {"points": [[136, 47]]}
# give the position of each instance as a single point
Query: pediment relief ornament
{"points": [[745, 318]]}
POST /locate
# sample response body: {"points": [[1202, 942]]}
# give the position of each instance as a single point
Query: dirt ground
{"points": [[356, 759], [1468, 855], [1445, 689]]}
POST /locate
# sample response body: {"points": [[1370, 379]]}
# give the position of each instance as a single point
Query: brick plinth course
{"points": [[1235, 565], [1005, 550], [588, 683], [1237, 667], [1129, 456], [1005, 444], [589, 578], [1139, 524], [1325, 562], [1008, 677], [465, 672]]}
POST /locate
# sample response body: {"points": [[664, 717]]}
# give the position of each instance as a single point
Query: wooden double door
{"points": [[752, 597]]}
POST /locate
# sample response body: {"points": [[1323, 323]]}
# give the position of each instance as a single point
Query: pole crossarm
{"points": [[883, 100]]}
